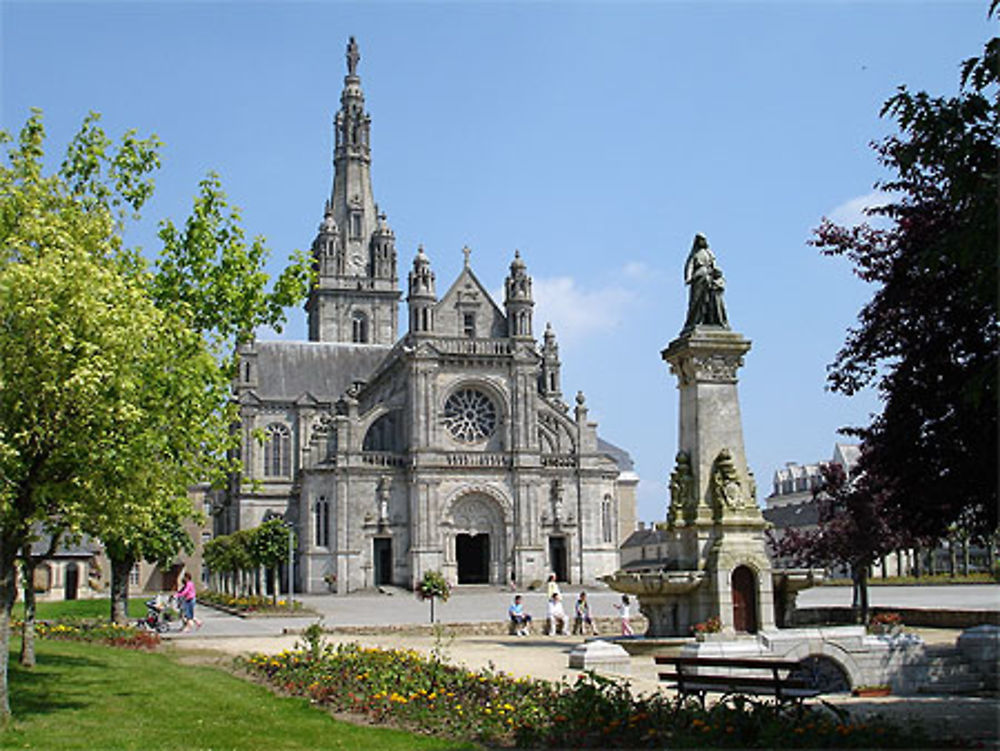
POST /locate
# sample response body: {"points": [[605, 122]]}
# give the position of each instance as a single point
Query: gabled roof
{"points": [[465, 279]]}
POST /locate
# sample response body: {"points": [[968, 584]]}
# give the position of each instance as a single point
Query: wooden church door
{"points": [[744, 588]]}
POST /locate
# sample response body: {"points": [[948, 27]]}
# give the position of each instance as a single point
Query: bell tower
{"points": [[356, 297]]}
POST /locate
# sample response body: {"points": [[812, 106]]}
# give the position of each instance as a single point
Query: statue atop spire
{"points": [[353, 56]]}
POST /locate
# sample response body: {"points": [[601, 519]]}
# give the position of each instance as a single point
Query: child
{"points": [[581, 615], [623, 610]]}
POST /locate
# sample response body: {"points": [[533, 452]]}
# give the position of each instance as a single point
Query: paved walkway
{"points": [[544, 657]]}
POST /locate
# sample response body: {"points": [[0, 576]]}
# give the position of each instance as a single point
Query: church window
{"points": [[470, 415], [469, 324], [359, 327], [134, 574], [278, 451], [606, 528], [384, 434], [356, 224], [322, 522]]}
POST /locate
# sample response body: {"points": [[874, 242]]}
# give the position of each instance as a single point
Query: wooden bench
{"points": [[769, 677]]}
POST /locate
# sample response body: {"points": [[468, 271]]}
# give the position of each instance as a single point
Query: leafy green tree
{"points": [[433, 586], [114, 381], [269, 544], [215, 280], [929, 338], [81, 342]]}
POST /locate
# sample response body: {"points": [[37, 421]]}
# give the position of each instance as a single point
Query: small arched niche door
{"points": [[744, 588]]}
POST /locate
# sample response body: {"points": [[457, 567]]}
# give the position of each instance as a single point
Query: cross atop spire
{"points": [[466, 251], [353, 56]]}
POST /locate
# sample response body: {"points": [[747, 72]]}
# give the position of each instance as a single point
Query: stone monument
{"points": [[719, 567]]}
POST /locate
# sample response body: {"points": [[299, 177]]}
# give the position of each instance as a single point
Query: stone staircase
{"points": [[947, 671]]}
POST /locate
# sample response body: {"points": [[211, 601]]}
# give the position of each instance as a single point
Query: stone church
{"points": [[447, 448]]}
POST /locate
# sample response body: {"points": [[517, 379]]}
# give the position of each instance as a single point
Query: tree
{"points": [[929, 338], [433, 586], [114, 385], [856, 527], [210, 276], [81, 341], [269, 546]]}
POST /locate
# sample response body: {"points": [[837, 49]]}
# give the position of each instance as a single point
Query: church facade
{"points": [[448, 447]]}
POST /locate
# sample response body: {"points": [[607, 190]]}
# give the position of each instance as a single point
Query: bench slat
{"points": [[734, 680], [731, 662]]}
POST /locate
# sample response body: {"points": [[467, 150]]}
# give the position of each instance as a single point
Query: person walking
{"points": [[186, 598], [623, 611]]}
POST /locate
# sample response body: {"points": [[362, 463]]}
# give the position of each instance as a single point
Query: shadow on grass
{"points": [[49, 687]]}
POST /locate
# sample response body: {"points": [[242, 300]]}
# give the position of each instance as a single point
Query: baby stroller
{"points": [[158, 615]]}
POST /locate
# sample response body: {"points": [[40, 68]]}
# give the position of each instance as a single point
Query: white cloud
{"points": [[853, 211], [576, 313]]}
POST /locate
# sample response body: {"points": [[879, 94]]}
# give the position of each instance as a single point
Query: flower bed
{"points": [[487, 706], [112, 634], [248, 604]]}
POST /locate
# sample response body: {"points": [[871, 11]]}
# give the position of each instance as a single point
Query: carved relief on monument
{"points": [[727, 491], [713, 368], [682, 500], [473, 515]]}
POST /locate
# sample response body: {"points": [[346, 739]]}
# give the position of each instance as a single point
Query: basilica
{"points": [[449, 447]]}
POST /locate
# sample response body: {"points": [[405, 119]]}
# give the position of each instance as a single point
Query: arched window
{"points": [[321, 515], [359, 327], [278, 451], [385, 434], [606, 527]]}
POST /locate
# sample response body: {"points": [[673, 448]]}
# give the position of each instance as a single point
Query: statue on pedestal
{"points": [[705, 305]]}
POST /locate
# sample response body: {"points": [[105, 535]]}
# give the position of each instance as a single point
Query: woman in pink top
{"points": [[186, 596]]}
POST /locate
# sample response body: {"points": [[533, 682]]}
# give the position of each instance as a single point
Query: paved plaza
{"points": [[547, 657]]}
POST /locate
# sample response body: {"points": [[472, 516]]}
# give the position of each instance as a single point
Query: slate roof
{"points": [[83, 548], [287, 370], [620, 456], [794, 515], [639, 537]]}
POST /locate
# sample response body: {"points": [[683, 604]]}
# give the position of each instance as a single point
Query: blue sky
{"points": [[597, 138]]}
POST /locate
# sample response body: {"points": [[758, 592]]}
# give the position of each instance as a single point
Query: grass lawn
{"points": [[84, 696], [46, 611]]}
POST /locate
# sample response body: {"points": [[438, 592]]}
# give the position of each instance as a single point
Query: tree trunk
{"points": [[119, 588], [952, 558], [28, 629], [863, 590], [8, 591], [965, 556], [918, 563]]}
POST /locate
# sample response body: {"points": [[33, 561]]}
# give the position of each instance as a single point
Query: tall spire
{"points": [[355, 251]]}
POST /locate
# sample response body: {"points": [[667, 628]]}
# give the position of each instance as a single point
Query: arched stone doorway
{"points": [[478, 543], [744, 588]]}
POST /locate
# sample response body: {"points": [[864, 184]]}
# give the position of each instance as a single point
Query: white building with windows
{"points": [[447, 448]]}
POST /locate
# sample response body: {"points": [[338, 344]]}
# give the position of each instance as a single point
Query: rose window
{"points": [[469, 415]]}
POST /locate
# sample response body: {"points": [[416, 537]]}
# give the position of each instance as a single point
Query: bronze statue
{"points": [[705, 305]]}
